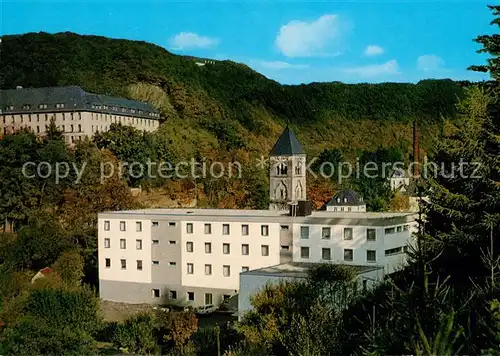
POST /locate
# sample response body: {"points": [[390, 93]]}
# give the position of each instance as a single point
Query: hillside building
{"points": [[77, 113], [346, 200]]}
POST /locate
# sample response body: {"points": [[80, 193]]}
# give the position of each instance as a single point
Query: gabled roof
{"points": [[287, 145], [346, 197]]}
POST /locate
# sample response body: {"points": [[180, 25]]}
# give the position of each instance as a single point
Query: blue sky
{"points": [[288, 41]]}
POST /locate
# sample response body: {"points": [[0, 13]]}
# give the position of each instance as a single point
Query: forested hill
{"points": [[227, 100]]}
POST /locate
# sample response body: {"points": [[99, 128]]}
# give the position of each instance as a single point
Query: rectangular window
{"points": [[172, 264], [304, 252], [138, 244], [371, 255], [245, 269], [189, 246], [106, 225], [123, 244], [190, 296], [156, 263], [154, 224], [390, 230], [173, 294], [107, 243], [399, 228], [325, 233], [172, 242], [79, 128], [348, 254], [371, 235], [265, 250], [406, 227], [155, 293], [190, 268], [156, 242], [304, 232], [208, 298], [244, 230], [226, 249], [393, 251], [122, 226], [326, 254], [348, 233], [189, 228], [208, 247], [245, 250], [226, 270], [138, 226], [208, 270], [284, 227], [108, 262], [225, 229], [139, 265], [123, 264], [264, 230], [285, 247], [208, 229], [171, 224]]}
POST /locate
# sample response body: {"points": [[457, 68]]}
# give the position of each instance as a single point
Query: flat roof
{"points": [[301, 270], [237, 213]]}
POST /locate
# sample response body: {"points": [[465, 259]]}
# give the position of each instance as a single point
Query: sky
{"points": [[291, 42]]}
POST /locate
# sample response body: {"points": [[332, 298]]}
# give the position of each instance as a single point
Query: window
{"points": [[138, 244], [245, 249], [138, 226], [79, 128], [244, 230], [208, 229], [304, 252], [245, 269], [156, 263], [155, 293], [264, 230], [226, 270], [399, 228], [326, 254], [406, 227], [172, 263], [107, 243], [371, 255], [155, 224], [72, 128], [208, 270], [265, 250], [108, 262], [225, 229], [26, 107], [156, 242], [122, 226], [139, 265], [173, 294], [284, 227], [106, 225], [285, 247], [172, 242], [325, 233], [371, 235], [348, 233], [171, 224], [190, 296], [208, 247], [123, 264], [123, 244], [208, 298], [190, 268], [348, 254], [304, 232], [189, 228], [189, 246], [226, 249], [390, 230], [393, 251]]}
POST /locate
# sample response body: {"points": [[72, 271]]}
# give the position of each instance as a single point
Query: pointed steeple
{"points": [[287, 144]]}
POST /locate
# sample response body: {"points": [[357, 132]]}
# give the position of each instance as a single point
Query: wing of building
{"points": [[77, 113]]}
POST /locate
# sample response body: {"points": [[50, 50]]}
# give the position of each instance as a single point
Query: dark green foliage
{"points": [[226, 133], [328, 163], [136, 335], [205, 340]]}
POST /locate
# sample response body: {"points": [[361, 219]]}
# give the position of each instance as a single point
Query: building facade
{"points": [[77, 113]]}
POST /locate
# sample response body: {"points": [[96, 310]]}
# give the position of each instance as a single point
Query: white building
{"points": [[77, 113], [195, 256]]}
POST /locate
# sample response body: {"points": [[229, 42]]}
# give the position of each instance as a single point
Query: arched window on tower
{"points": [[282, 169], [298, 168]]}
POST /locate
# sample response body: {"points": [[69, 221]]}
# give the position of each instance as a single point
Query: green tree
{"points": [[136, 334]]}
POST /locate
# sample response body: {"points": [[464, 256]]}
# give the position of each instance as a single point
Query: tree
{"points": [[491, 45], [70, 265], [136, 334], [176, 328]]}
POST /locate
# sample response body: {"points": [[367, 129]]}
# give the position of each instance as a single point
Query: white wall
{"points": [[131, 254], [217, 259]]}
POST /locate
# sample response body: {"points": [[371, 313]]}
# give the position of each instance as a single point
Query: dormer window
{"points": [[345, 199], [42, 106], [338, 200], [11, 107], [59, 106], [26, 107]]}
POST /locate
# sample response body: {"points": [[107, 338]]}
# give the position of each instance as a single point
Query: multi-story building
{"points": [[195, 256], [77, 113]]}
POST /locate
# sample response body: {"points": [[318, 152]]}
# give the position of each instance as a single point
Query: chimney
{"points": [[416, 150]]}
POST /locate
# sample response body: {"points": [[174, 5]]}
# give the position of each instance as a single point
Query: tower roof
{"points": [[287, 145]]}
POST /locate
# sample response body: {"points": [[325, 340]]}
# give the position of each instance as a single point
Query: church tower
{"points": [[287, 172]]}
